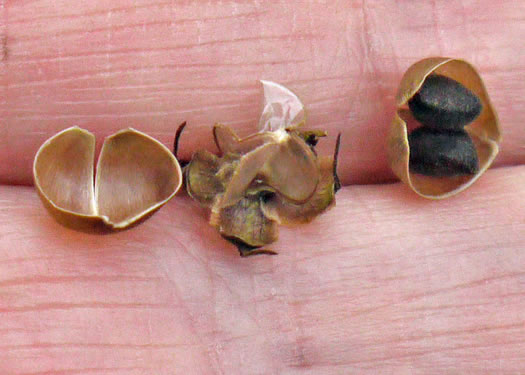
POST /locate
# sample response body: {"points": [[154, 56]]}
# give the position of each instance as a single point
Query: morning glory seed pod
{"points": [[441, 95], [136, 175]]}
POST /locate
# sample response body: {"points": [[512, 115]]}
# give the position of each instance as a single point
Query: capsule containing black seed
{"points": [[440, 147], [456, 132]]}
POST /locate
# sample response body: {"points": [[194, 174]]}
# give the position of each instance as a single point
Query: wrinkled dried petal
{"points": [[443, 103], [442, 153]]}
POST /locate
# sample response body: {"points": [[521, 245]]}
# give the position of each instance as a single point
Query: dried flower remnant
{"points": [[456, 133], [268, 178], [136, 175]]}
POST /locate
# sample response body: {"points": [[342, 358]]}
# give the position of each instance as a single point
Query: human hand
{"points": [[385, 282]]}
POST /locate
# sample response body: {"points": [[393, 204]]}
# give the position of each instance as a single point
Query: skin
{"points": [[386, 282]]}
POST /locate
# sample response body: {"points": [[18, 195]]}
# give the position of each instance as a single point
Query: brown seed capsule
{"points": [[270, 177], [136, 175], [483, 131]]}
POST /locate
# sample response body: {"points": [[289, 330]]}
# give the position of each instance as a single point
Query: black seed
{"points": [[442, 153], [444, 103]]}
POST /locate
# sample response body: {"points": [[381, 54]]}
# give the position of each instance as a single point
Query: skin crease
{"points": [[386, 282]]}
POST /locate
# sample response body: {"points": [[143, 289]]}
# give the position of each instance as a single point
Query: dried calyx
{"points": [[266, 179], [455, 132], [135, 176]]}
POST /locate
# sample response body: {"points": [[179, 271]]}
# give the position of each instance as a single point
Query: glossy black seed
{"points": [[443, 103], [442, 153]]}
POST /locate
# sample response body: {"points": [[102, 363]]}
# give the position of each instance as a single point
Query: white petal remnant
{"points": [[282, 109]]}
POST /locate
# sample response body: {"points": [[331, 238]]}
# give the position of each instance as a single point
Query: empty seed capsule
{"points": [[136, 175], [439, 159], [443, 103], [442, 153]]}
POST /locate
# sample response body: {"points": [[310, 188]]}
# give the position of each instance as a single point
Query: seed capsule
{"points": [[268, 178], [442, 153], [135, 176], [443, 103], [439, 159]]}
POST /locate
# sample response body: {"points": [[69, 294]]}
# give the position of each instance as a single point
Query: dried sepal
{"points": [[228, 141], [282, 160], [287, 212], [484, 130], [284, 211], [293, 171], [202, 182], [250, 165], [239, 221], [136, 175]]}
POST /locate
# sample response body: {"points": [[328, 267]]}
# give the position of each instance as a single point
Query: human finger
{"points": [[151, 66]]}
